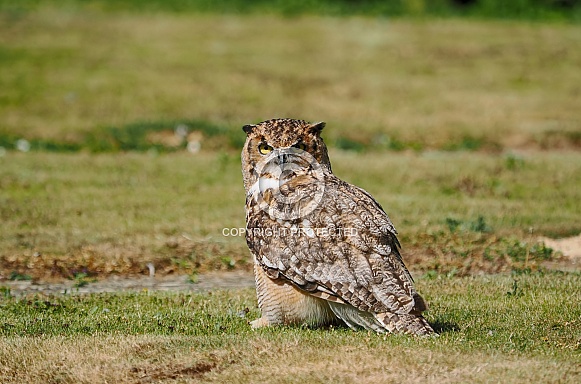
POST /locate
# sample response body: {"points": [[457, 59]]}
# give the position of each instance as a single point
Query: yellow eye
{"points": [[264, 148], [301, 146]]}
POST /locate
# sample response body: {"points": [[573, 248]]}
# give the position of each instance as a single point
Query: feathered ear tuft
{"points": [[248, 128], [317, 127]]}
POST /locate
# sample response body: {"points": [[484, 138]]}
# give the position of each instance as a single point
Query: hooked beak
{"points": [[283, 158], [286, 156]]}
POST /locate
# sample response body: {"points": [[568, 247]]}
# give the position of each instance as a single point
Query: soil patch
{"points": [[570, 247], [205, 282]]}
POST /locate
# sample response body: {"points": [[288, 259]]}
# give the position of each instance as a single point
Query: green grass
{"points": [[82, 79], [518, 328], [466, 131], [65, 214], [522, 9], [113, 214]]}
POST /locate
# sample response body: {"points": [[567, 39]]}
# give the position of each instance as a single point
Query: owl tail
{"points": [[381, 322], [405, 323]]}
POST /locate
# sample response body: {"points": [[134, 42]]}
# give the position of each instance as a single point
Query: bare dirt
{"points": [[569, 247], [205, 282]]}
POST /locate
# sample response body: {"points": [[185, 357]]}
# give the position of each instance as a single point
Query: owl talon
{"points": [[259, 323]]}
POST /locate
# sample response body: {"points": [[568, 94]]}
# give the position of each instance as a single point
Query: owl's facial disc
{"points": [[289, 183]]}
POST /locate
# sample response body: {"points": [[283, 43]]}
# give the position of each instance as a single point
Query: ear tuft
{"points": [[248, 128], [317, 127]]}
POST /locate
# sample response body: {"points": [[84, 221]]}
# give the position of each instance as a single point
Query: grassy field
{"points": [[380, 84], [96, 215], [467, 132], [517, 329], [554, 10]]}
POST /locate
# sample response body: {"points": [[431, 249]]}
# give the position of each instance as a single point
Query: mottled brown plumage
{"points": [[323, 248]]}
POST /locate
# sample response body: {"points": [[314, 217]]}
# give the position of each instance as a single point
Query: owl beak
{"points": [[283, 158], [288, 159]]}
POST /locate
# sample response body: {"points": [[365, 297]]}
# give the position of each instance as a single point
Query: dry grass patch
{"points": [[135, 359], [162, 359]]}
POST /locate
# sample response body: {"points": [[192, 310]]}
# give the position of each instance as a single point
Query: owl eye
{"points": [[301, 146], [264, 148]]}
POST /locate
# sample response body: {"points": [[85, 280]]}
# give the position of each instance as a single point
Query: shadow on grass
{"points": [[442, 326]]}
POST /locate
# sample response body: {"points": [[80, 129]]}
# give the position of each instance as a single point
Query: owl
{"points": [[324, 250]]}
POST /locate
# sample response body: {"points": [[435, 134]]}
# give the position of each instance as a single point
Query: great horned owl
{"points": [[323, 249]]}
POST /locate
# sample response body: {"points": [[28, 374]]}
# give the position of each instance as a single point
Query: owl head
{"points": [[282, 136]]}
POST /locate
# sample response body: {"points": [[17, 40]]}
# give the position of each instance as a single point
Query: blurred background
{"points": [[120, 127]]}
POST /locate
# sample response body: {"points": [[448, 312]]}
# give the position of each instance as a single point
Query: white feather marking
{"points": [[265, 183], [281, 266], [267, 262], [355, 318]]}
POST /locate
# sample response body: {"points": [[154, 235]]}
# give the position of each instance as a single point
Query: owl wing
{"points": [[346, 251]]}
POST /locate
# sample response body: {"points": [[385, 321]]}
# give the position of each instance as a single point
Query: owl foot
{"points": [[259, 323]]}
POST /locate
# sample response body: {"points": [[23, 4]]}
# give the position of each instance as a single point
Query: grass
{"points": [[518, 328], [98, 215], [478, 93], [466, 131], [522, 9], [67, 214], [77, 78]]}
